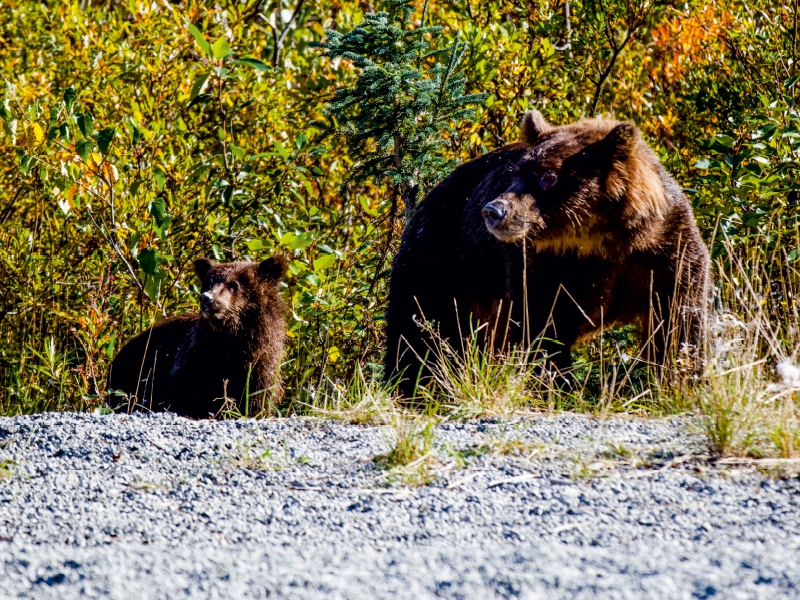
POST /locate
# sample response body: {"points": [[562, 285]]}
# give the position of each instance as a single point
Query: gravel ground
{"points": [[155, 506]]}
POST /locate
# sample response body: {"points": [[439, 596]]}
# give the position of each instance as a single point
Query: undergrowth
{"points": [[749, 396], [745, 395]]}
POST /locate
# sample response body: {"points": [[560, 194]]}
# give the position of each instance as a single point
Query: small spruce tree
{"points": [[405, 101]]}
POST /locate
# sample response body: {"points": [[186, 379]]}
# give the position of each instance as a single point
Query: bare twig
{"points": [[276, 51]]}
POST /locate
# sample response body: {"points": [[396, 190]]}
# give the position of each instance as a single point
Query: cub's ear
{"points": [[533, 125], [623, 139], [273, 268], [202, 266]]}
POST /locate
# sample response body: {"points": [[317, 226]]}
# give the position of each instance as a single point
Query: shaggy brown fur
{"points": [[189, 364], [584, 213]]}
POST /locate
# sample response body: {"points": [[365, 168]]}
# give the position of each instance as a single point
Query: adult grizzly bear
{"points": [[584, 213], [189, 364]]}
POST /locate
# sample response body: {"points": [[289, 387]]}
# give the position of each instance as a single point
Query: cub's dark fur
{"points": [[182, 363], [601, 231]]}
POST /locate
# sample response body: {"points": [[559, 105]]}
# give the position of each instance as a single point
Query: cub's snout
{"points": [[206, 302], [219, 303]]}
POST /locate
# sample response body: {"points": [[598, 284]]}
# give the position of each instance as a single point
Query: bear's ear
{"points": [[273, 268], [202, 266], [623, 139], [533, 125]]}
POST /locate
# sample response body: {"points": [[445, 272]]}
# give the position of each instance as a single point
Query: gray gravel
{"points": [[552, 507]]}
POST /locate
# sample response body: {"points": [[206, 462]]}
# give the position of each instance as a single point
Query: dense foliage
{"points": [[140, 135]]}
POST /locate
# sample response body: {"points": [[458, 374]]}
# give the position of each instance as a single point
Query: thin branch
{"points": [[567, 45], [633, 27], [276, 51], [603, 76]]}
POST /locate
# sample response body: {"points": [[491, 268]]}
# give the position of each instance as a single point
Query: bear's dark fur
{"points": [[182, 363], [609, 238]]}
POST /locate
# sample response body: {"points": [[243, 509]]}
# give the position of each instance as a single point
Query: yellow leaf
{"points": [[333, 354], [111, 172], [71, 194], [38, 134]]}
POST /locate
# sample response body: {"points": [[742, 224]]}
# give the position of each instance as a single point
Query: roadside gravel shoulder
{"points": [[565, 506]]}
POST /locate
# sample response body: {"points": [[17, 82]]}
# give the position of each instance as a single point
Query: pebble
{"points": [[566, 506]]}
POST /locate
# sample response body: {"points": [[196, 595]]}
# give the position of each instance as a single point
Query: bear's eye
{"points": [[232, 286], [547, 180]]}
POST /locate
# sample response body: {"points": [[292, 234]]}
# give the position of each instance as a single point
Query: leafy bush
{"points": [[138, 136]]}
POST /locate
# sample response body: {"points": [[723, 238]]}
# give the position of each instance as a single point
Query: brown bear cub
{"points": [[189, 364], [584, 215]]}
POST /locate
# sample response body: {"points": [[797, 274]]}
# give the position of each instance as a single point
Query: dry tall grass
{"points": [[749, 396], [746, 394]]}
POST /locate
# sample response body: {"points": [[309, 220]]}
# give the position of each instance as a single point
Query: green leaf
{"points": [[64, 206], [104, 139], [296, 267], [160, 177], [703, 163], [324, 261], [220, 49], [255, 63], [134, 243], [69, 98], [283, 152], [85, 124], [26, 162], [162, 228], [794, 254], [365, 205], [199, 99], [301, 140], [10, 127], [110, 346], [242, 106], [84, 148], [158, 210], [254, 245], [154, 284], [237, 152], [227, 194], [295, 242], [222, 72], [148, 260], [724, 140], [199, 86], [200, 39]]}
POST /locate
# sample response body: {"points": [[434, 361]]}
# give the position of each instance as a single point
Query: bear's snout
{"points": [[495, 212]]}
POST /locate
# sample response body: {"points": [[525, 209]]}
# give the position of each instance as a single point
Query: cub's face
{"points": [[231, 292], [573, 185]]}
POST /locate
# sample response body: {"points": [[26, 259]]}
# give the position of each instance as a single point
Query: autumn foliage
{"points": [[138, 136]]}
